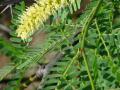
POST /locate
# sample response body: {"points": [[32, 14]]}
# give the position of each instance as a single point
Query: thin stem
{"points": [[72, 61], [88, 71], [68, 67], [85, 30], [88, 21], [100, 35]]}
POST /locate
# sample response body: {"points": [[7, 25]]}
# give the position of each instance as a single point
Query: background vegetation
{"points": [[83, 39]]}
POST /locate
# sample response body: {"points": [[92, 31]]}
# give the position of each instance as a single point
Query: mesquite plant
{"points": [[87, 45]]}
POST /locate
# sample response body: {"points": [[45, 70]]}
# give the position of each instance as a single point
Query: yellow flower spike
{"points": [[35, 15]]}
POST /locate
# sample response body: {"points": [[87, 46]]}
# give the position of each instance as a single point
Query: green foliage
{"points": [[99, 48], [63, 75], [12, 48], [15, 47], [5, 70], [18, 9], [90, 47], [8, 49]]}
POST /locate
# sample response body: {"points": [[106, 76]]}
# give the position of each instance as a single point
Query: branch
{"points": [[4, 28]]}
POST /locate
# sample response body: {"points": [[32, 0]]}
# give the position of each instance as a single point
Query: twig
{"points": [[4, 28]]}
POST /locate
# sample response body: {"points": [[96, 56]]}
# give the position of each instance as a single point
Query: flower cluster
{"points": [[36, 14]]}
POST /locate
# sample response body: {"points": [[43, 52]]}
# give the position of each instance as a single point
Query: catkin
{"points": [[37, 14]]}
